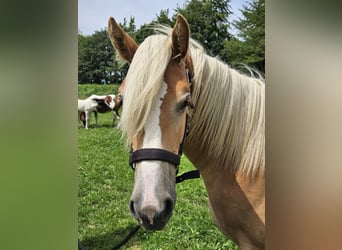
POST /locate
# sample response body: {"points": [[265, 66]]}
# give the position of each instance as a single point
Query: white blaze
{"points": [[152, 138], [151, 171]]}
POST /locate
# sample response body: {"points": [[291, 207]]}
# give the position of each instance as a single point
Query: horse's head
{"points": [[109, 101], [156, 95]]}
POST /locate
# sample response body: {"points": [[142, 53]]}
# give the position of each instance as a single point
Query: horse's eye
{"points": [[186, 103]]}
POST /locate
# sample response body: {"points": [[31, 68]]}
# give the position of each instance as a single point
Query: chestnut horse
{"points": [[226, 140]]}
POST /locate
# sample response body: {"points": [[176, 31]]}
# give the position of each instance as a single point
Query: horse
{"points": [[172, 84], [104, 108], [95, 103]]}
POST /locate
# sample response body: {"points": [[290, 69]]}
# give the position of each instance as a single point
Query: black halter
{"points": [[157, 154]]}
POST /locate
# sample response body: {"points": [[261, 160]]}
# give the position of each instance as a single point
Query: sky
{"points": [[93, 14]]}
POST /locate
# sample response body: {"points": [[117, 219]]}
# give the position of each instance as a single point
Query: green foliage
{"points": [[208, 20], [145, 30], [164, 18], [251, 49], [234, 50], [96, 59], [105, 186]]}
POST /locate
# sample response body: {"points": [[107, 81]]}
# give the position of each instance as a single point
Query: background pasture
{"points": [[105, 185]]}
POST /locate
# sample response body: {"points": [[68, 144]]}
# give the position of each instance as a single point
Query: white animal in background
{"points": [[92, 103]]}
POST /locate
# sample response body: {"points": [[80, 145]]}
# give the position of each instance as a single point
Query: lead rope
{"points": [[186, 176], [128, 237]]}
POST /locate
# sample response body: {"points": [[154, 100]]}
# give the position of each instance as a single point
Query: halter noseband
{"points": [[158, 154]]}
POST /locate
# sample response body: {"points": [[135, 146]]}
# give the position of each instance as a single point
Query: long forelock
{"points": [[143, 81]]}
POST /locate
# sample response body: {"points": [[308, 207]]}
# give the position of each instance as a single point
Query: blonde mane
{"points": [[229, 106], [229, 114]]}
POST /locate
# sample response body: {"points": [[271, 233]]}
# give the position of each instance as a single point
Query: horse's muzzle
{"points": [[152, 217]]}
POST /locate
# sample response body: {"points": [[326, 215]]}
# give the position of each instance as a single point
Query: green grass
{"points": [[105, 185], [85, 90]]}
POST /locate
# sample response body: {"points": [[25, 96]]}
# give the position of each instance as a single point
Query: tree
{"points": [[95, 57], [252, 32], [164, 18], [146, 29], [84, 63], [234, 52], [209, 23]]}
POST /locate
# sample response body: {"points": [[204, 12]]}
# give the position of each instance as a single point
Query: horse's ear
{"points": [[180, 37], [122, 42]]}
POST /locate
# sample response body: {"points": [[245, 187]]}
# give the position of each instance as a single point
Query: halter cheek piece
{"points": [[157, 154]]}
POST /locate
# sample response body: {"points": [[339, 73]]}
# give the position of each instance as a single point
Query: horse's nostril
{"points": [[168, 208], [131, 208]]}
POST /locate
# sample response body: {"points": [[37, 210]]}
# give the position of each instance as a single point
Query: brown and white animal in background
{"points": [[226, 140], [89, 105], [102, 107]]}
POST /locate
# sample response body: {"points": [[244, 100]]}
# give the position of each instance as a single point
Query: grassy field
{"points": [[105, 185]]}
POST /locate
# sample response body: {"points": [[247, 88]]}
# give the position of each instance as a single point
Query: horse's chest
{"points": [[226, 202], [232, 208]]}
